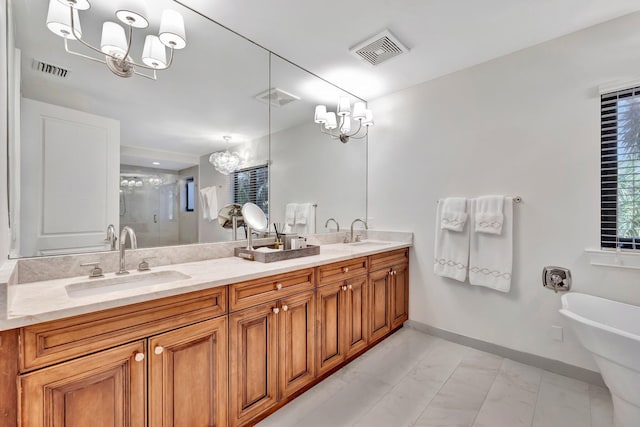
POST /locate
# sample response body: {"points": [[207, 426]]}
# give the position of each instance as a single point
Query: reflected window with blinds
{"points": [[620, 169], [251, 185]]}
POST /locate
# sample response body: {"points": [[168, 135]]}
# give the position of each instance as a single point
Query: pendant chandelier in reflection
{"points": [[115, 45], [329, 125], [224, 161]]}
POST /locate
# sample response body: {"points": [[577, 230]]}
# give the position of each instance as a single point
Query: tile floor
{"points": [[415, 379]]}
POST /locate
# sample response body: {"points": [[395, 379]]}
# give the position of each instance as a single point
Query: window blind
{"points": [[620, 169], [251, 185]]}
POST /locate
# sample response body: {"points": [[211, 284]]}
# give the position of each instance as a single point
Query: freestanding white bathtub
{"points": [[611, 331]]}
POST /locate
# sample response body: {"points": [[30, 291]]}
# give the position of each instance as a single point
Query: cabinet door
{"points": [[296, 356], [400, 295], [330, 326], [252, 362], [104, 389], [356, 315], [379, 304], [188, 376]]}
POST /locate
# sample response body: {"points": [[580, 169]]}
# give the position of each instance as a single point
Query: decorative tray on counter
{"points": [[276, 255]]}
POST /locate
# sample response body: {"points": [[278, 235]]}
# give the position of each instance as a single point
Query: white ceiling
{"points": [[444, 35]]}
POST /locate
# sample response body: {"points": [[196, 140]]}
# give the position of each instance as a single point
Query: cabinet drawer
{"points": [[341, 270], [259, 291], [52, 342], [388, 259]]}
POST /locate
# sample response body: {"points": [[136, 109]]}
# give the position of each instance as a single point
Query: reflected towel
{"points": [[451, 252], [303, 212], [209, 201], [491, 255]]}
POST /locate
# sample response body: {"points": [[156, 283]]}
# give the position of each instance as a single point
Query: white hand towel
{"points": [[290, 214], [491, 255], [203, 203], [488, 214], [453, 214], [212, 202], [303, 211], [451, 252]]}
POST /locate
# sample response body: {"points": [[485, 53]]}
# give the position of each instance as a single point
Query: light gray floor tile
{"points": [[562, 402], [512, 398], [601, 407]]}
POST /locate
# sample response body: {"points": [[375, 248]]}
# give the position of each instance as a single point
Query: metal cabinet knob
{"points": [[139, 357], [276, 310], [350, 287], [158, 349], [345, 269], [344, 288], [285, 307], [278, 286]]}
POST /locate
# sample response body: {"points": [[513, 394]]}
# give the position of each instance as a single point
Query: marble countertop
{"points": [[36, 302]]}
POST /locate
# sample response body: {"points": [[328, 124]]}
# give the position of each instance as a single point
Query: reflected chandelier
{"points": [[224, 161], [329, 124], [115, 46]]}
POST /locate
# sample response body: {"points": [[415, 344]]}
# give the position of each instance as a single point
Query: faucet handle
{"points": [[144, 264], [96, 271]]}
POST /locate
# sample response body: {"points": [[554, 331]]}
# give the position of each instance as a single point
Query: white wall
{"points": [[4, 212], [525, 124]]}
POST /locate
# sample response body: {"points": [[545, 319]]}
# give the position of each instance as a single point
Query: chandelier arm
{"points": [[133, 63], [129, 43], [358, 130], [152, 77], [330, 133], [81, 55], [366, 132]]}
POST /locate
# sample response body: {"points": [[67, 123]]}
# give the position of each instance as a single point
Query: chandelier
{"points": [[115, 46], [342, 131], [224, 161]]}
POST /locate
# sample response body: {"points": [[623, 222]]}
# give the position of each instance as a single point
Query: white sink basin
{"points": [[370, 243], [120, 283]]}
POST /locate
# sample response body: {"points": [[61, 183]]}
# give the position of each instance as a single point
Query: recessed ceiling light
{"points": [[155, 163]]}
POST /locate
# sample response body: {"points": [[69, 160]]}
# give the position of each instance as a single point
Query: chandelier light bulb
{"points": [[172, 32], [154, 53], [359, 111], [331, 121], [114, 40], [368, 121], [321, 114], [344, 108]]}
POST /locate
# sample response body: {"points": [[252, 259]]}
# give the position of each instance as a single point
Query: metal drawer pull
{"points": [[139, 357], [276, 310], [278, 286], [350, 287], [345, 269], [344, 288], [285, 307], [158, 349]]}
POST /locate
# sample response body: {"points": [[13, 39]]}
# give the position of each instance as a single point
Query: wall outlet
{"points": [[556, 333]]}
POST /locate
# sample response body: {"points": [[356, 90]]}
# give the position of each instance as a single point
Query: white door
{"points": [[70, 167]]}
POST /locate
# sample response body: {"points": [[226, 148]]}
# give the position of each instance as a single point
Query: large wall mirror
{"points": [[88, 148]]}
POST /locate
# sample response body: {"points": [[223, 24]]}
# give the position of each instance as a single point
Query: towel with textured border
{"points": [[490, 254], [451, 252], [488, 216], [454, 215]]}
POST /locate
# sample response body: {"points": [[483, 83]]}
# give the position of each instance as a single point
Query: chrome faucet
{"points": [[334, 220], [123, 239], [352, 224], [111, 237]]}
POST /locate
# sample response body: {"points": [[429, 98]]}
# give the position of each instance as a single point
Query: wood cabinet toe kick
{"points": [[224, 356]]}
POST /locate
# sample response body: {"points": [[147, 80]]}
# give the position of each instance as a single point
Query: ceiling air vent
{"points": [[53, 70], [379, 48], [276, 97]]}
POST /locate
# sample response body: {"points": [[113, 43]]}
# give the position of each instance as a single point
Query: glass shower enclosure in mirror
{"points": [[314, 176], [89, 148]]}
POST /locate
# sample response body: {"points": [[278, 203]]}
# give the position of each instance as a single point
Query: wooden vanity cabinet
{"points": [[342, 321], [188, 376], [388, 292], [108, 387], [271, 354]]}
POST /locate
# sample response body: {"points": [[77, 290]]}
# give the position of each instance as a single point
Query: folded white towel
{"points": [[454, 215], [303, 211], [488, 214], [451, 252], [290, 214], [491, 255]]}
